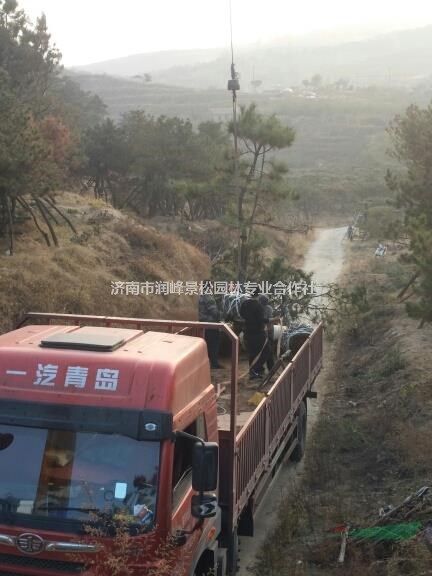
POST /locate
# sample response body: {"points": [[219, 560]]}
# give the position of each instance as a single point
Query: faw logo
{"points": [[30, 543]]}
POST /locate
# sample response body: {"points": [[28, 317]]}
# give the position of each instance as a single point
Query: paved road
{"points": [[325, 259]]}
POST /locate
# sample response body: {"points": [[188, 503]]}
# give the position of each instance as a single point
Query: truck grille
{"points": [[7, 560]]}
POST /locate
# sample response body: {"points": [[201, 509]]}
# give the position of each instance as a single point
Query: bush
{"points": [[393, 361]]}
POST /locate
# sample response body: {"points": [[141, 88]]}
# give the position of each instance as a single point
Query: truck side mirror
{"points": [[205, 465], [204, 506]]}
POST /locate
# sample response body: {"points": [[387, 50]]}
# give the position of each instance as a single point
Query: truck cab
{"points": [[104, 422]]}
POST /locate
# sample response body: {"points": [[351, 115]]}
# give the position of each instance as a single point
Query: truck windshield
{"points": [[76, 475]]}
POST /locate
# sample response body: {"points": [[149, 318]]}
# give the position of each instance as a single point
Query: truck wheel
{"points": [[300, 448], [233, 553], [207, 565]]}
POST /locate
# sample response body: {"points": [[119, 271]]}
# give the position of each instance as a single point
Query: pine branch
{"points": [[48, 211], [409, 284], [54, 207], [42, 210]]}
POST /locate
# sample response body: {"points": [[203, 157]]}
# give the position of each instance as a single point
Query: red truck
{"points": [[102, 415]]}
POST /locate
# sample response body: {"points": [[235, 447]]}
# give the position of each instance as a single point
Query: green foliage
{"points": [[392, 362], [26, 55], [384, 222], [345, 309], [33, 154], [39, 127], [80, 109], [420, 234], [104, 147], [411, 136], [262, 132], [299, 299], [398, 273], [159, 166], [261, 175], [339, 155]]}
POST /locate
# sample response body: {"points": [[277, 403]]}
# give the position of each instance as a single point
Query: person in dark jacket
{"points": [[268, 315], [268, 308], [255, 333], [208, 311]]}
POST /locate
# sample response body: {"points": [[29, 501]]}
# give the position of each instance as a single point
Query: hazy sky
{"points": [[92, 30]]}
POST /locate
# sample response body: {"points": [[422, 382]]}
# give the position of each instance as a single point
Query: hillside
{"points": [[146, 63], [77, 276], [122, 95], [393, 59], [111, 246], [339, 154]]}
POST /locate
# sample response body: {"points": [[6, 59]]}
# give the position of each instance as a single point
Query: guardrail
{"points": [[258, 441]]}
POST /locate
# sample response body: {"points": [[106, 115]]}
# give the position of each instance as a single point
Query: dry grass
{"points": [[215, 237], [293, 246], [76, 277]]}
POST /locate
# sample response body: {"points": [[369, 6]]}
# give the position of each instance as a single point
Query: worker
{"points": [[265, 303], [255, 333], [381, 250], [269, 316], [208, 311]]}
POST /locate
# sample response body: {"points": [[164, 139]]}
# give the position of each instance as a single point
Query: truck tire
{"points": [[233, 554], [300, 448], [207, 565]]}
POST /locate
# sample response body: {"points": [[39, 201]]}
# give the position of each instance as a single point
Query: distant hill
{"points": [[396, 58], [339, 154], [333, 129], [122, 95], [138, 64]]}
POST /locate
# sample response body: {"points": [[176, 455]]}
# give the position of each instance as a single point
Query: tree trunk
{"points": [[243, 257], [54, 207], [10, 226], [113, 195], [48, 211], [46, 219], [27, 207]]}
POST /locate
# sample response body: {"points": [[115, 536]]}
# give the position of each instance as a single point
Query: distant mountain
{"points": [[139, 64], [332, 36], [396, 58]]}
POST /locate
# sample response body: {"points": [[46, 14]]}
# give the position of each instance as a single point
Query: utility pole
{"points": [[234, 86]]}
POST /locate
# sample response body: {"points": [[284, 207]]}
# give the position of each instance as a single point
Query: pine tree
{"points": [[39, 141], [411, 136], [262, 176]]}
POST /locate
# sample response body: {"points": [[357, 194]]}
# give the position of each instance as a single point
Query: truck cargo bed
{"points": [[245, 392], [264, 432]]}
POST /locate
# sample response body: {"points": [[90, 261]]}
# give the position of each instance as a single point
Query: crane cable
{"points": [[233, 86], [234, 77]]}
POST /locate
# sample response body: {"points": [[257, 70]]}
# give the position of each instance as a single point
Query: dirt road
{"points": [[325, 255], [325, 259]]}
